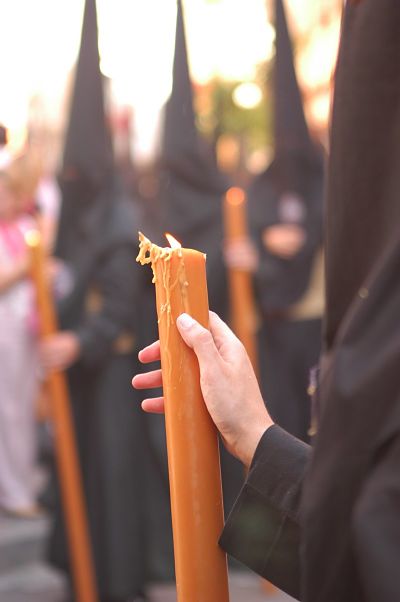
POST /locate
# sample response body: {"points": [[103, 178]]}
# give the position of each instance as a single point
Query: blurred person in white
{"points": [[18, 358]]}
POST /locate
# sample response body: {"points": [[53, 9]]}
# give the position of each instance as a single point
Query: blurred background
{"points": [[205, 118], [230, 46]]}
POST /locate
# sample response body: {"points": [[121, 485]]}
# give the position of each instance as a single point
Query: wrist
{"points": [[251, 438]]}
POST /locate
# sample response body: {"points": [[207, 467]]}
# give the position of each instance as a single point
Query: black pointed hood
{"points": [[290, 126], [290, 190], [191, 186], [183, 152], [180, 132], [88, 146], [87, 176], [297, 159]]}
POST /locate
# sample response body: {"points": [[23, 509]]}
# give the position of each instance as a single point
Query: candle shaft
{"points": [[192, 441], [242, 306], [65, 445]]}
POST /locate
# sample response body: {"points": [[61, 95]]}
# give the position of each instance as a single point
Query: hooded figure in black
{"points": [[191, 193], [191, 187], [285, 206], [97, 245], [328, 526]]}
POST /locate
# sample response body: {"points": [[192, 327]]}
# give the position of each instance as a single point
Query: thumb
{"points": [[198, 338]]}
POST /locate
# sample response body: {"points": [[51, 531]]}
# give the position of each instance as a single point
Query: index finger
{"points": [[151, 353]]}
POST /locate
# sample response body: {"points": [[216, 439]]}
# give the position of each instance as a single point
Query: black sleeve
{"points": [[376, 526], [262, 531], [116, 280]]}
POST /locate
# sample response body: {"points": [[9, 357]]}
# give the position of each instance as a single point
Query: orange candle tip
{"points": [[151, 253], [235, 195]]}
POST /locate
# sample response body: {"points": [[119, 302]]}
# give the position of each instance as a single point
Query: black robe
{"points": [[324, 525], [289, 192], [100, 249]]}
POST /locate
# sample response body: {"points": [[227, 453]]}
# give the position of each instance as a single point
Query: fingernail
{"points": [[185, 321]]}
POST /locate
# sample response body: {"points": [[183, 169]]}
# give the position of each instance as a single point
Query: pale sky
{"points": [[40, 39]]}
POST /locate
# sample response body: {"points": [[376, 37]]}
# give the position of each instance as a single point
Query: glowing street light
{"points": [[247, 95]]}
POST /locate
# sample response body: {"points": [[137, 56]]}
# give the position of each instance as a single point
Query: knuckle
{"points": [[203, 336]]}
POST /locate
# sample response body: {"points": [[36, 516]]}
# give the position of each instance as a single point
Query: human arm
{"points": [[116, 286], [228, 383], [263, 528]]}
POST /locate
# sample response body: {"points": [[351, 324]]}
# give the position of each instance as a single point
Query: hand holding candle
{"points": [[59, 351], [192, 442], [228, 382]]}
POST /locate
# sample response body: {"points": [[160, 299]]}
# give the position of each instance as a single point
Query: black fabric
{"points": [[290, 127], [288, 193], [183, 151], [88, 146], [97, 241], [262, 530], [96, 251], [288, 351], [350, 540], [290, 190], [363, 189], [280, 282], [108, 421], [88, 165], [359, 422], [191, 186]]}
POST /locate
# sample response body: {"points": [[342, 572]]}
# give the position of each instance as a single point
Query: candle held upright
{"points": [[242, 305], [192, 441], [65, 446]]}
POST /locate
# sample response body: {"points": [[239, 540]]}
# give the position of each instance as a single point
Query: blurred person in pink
{"points": [[18, 358]]}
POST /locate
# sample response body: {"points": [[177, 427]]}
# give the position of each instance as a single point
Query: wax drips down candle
{"points": [[179, 276]]}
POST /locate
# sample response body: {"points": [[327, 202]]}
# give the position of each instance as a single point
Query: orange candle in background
{"points": [[65, 445], [242, 305], [243, 311], [192, 441]]}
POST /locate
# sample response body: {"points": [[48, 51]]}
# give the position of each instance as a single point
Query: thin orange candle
{"points": [[192, 441], [65, 445], [242, 306]]}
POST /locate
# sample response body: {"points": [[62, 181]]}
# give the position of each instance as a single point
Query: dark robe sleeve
{"points": [[262, 531], [376, 526], [116, 282]]}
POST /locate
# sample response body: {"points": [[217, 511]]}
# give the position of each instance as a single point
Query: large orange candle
{"points": [[192, 441], [65, 445], [242, 306]]}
